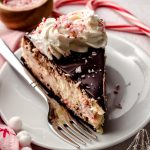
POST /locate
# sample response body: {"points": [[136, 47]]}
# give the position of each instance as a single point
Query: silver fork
{"points": [[59, 120]]}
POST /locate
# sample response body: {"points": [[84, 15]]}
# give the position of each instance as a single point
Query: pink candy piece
{"points": [[8, 139]]}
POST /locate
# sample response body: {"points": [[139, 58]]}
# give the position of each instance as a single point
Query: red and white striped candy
{"points": [[124, 28], [94, 4]]}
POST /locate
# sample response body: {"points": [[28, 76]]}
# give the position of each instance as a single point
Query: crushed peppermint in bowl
{"points": [[24, 14]]}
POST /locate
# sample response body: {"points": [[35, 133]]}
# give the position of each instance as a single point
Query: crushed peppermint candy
{"points": [[83, 76], [67, 75], [87, 87], [92, 70], [89, 71], [86, 61], [78, 69], [94, 53], [93, 75]]}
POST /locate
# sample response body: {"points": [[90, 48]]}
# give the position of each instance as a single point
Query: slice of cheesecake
{"points": [[69, 64]]}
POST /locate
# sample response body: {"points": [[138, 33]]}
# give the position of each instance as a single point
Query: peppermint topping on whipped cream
{"points": [[76, 31]]}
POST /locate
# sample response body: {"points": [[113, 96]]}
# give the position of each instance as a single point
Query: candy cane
{"points": [[94, 4], [124, 28], [136, 27]]}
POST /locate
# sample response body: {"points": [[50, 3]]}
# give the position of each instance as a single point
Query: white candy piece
{"points": [[26, 148], [23, 132], [24, 138], [15, 123]]}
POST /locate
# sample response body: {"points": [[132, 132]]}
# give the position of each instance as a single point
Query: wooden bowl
{"points": [[27, 17]]}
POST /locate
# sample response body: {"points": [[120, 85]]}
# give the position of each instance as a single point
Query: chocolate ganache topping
{"points": [[87, 68]]}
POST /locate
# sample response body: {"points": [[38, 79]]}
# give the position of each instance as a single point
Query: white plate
{"points": [[126, 65]]}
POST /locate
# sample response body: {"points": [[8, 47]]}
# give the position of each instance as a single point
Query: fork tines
{"points": [[74, 133]]}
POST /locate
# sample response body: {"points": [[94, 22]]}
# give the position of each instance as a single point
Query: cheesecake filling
{"points": [[70, 93], [76, 31]]}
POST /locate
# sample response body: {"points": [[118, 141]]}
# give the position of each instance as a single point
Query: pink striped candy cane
{"points": [[124, 28], [94, 4]]}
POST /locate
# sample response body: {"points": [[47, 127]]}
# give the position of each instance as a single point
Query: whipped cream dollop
{"points": [[76, 31]]}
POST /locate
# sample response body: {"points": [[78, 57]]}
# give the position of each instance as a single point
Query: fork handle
{"points": [[15, 63], [19, 67]]}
